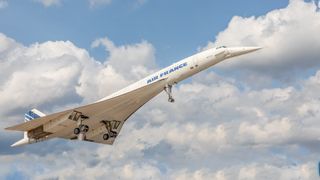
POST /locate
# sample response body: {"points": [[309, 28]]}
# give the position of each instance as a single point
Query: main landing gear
{"points": [[82, 129], [168, 90], [110, 133]]}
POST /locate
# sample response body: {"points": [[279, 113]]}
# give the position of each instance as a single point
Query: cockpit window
{"points": [[221, 47]]}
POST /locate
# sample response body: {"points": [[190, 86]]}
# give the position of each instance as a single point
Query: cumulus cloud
{"points": [[251, 172], [64, 71], [98, 3], [48, 3], [95, 3], [218, 128], [92, 3], [288, 37], [272, 132], [130, 60]]}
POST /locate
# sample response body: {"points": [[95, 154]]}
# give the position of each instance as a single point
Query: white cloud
{"points": [[217, 129], [251, 172], [3, 4], [92, 3], [63, 71], [200, 136], [289, 38], [201, 174], [259, 171], [36, 71], [48, 3], [130, 60], [95, 3], [272, 132]]}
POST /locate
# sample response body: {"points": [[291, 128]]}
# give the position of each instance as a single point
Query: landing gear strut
{"points": [[82, 129], [110, 133], [168, 89]]}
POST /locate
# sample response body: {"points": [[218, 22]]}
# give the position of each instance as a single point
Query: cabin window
{"points": [[221, 47]]}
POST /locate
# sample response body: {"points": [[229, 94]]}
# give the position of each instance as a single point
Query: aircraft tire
{"points": [[105, 137], [76, 131], [84, 128]]}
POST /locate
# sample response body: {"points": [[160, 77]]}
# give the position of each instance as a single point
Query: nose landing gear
{"points": [[168, 90]]}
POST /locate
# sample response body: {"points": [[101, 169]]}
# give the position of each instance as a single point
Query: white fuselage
{"points": [[187, 67]]}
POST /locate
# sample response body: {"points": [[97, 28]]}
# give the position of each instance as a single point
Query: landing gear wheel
{"points": [[113, 134], [171, 100], [76, 131], [81, 129], [84, 128], [105, 137]]}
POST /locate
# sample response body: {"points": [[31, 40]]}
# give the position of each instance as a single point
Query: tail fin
{"points": [[30, 115]]}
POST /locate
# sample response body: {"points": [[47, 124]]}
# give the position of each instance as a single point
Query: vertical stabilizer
{"points": [[30, 115], [33, 114]]}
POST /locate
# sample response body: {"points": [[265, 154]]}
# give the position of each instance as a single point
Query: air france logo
{"points": [[166, 72]]}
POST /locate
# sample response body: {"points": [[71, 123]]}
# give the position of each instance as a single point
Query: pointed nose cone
{"points": [[250, 49], [237, 51]]}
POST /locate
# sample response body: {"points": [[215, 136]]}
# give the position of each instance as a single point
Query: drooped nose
{"points": [[237, 51]]}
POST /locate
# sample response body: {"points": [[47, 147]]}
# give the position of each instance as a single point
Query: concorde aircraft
{"points": [[101, 122]]}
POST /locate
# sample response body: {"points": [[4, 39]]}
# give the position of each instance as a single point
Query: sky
{"points": [[250, 117]]}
